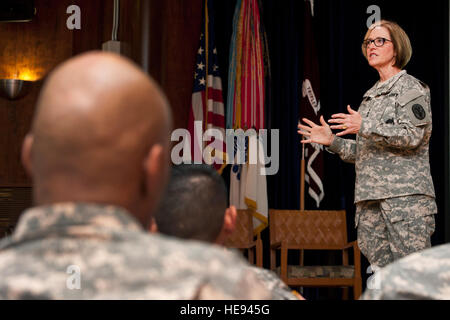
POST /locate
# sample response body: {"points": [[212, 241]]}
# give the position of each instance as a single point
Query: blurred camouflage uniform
{"points": [[423, 275], [392, 167], [116, 258], [274, 284]]}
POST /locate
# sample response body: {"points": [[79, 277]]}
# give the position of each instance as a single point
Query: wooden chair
{"points": [[243, 238], [314, 230]]}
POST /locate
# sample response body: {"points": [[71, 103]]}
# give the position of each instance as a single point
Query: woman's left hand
{"points": [[350, 123]]}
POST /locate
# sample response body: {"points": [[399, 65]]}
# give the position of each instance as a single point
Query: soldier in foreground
{"points": [[394, 193], [195, 208], [419, 276], [98, 156]]}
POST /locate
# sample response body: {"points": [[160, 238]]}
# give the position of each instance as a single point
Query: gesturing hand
{"points": [[316, 134], [350, 123]]}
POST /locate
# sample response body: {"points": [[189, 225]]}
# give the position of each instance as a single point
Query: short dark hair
{"points": [[194, 203]]}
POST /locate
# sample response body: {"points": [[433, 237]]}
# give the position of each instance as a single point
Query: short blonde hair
{"points": [[399, 38]]}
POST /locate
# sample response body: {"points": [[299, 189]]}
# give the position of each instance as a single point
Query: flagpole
{"points": [[207, 62], [302, 194], [302, 178]]}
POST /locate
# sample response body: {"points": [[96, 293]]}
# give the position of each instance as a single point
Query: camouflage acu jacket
{"points": [[273, 283], [423, 275], [391, 149], [85, 251]]}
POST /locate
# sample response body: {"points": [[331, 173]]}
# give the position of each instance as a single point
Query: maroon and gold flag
{"points": [[310, 108]]}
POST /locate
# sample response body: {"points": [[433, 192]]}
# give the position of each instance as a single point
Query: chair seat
{"points": [[334, 272]]}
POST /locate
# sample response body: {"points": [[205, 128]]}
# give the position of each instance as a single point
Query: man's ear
{"points": [[26, 154], [156, 169], [229, 220]]}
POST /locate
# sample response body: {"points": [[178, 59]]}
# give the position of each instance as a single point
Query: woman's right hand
{"points": [[320, 134]]}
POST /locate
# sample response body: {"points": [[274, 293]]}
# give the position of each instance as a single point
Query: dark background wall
{"points": [[175, 31]]}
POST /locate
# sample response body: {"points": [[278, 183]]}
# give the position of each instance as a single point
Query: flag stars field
{"points": [[207, 99]]}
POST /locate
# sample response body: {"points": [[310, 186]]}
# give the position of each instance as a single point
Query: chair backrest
{"points": [[243, 233], [308, 229]]}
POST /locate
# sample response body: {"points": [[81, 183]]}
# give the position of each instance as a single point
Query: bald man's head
{"points": [[100, 134]]}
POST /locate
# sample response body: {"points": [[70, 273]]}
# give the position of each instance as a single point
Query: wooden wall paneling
{"points": [[98, 24], [15, 122], [31, 49], [130, 28], [28, 50], [173, 48], [94, 20], [144, 9], [42, 44], [13, 201], [156, 39], [181, 40]]}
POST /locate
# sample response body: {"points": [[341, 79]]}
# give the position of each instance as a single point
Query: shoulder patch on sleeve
{"points": [[416, 107]]}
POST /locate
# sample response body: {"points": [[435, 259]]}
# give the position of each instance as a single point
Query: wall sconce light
{"points": [[14, 89]]}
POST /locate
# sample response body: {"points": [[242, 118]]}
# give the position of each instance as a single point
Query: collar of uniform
{"points": [[385, 87], [74, 216]]}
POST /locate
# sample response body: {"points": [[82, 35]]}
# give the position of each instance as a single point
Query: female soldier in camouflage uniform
{"points": [[394, 193]]}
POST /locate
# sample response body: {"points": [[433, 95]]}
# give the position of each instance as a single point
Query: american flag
{"points": [[207, 99]]}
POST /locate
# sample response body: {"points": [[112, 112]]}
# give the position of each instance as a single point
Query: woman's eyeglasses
{"points": [[378, 42]]}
